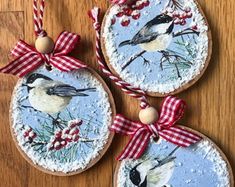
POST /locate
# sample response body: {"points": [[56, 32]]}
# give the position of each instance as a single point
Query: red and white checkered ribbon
{"points": [[119, 2], [171, 111], [29, 59], [124, 86], [38, 10]]}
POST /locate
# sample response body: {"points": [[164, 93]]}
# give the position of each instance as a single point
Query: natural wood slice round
{"points": [[162, 47], [76, 135], [202, 164]]}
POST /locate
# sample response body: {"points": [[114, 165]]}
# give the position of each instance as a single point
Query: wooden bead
{"points": [[44, 44], [148, 115]]}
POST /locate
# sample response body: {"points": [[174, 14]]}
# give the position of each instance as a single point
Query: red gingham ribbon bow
{"points": [[29, 59], [171, 111]]}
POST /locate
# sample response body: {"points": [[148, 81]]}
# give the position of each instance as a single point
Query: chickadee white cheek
{"points": [[43, 102], [38, 82], [161, 28]]}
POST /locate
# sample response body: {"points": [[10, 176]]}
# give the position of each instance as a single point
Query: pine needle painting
{"points": [[157, 45], [60, 120]]}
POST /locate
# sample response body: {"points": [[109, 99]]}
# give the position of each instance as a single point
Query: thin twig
{"points": [[133, 58], [87, 140], [185, 31], [178, 72]]}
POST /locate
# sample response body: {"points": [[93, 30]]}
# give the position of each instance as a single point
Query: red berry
{"points": [[194, 27], [189, 15], [125, 23], [58, 134], [75, 123], [140, 5], [176, 14], [76, 138], [128, 11], [136, 16], [69, 138], [184, 16], [73, 131], [113, 21], [120, 14], [132, 3], [66, 131], [26, 134], [57, 145], [183, 22], [146, 3], [34, 135], [63, 143]]}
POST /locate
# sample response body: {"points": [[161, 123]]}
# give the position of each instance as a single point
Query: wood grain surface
{"points": [[210, 101]]}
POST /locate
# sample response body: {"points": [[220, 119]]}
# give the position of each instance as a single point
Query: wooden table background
{"points": [[210, 101]]}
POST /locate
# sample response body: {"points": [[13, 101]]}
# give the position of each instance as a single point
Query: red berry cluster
{"points": [[65, 136], [194, 27], [129, 11], [181, 16], [29, 134]]}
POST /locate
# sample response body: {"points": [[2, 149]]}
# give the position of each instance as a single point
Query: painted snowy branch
{"points": [[87, 140], [36, 143], [185, 31], [133, 58]]}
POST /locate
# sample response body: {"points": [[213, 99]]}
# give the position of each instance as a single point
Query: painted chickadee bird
{"points": [[156, 35], [153, 172], [49, 96]]}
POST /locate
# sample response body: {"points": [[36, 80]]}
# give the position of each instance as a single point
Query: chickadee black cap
{"points": [[162, 18], [35, 76]]}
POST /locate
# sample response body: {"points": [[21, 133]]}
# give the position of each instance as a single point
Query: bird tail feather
{"points": [[83, 90], [127, 42]]}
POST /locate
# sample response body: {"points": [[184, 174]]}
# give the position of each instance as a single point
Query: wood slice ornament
{"points": [[166, 165], [61, 110], [64, 135], [161, 46]]}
